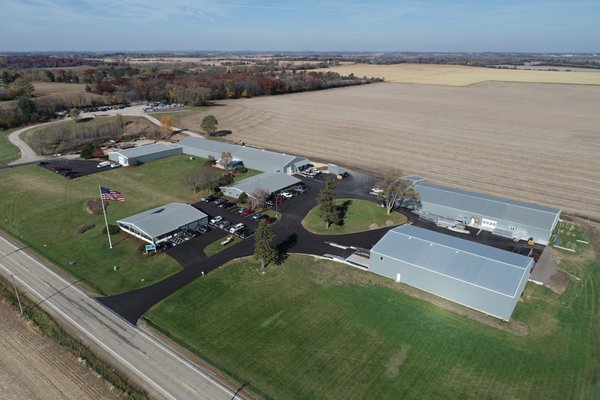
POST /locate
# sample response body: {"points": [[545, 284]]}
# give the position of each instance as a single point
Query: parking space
{"points": [[72, 169]]}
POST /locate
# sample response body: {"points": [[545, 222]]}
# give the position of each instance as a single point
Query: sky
{"points": [[351, 25]]}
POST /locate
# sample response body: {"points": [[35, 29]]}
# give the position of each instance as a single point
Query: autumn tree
{"points": [[209, 125], [198, 179], [263, 244], [328, 209], [394, 189], [165, 126]]}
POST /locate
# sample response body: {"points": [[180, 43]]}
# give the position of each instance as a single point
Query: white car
{"points": [[236, 227], [216, 219], [287, 195], [376, 191]]}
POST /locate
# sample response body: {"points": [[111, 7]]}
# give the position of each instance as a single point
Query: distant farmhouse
{"points": [[501, 216]]}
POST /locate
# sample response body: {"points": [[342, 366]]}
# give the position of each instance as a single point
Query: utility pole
{"points": [[17, 293]]}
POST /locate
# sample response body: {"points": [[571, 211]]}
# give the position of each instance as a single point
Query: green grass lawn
{"points": [[44, 210], [320, 330], [8, 151], [359, 216], [216, 246], [568, 235]]}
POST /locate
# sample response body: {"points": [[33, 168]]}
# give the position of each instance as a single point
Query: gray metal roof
{"points": [[271, 181], [244, 153], [164, 219], [473, 263], [147, 149], [480, 204]]}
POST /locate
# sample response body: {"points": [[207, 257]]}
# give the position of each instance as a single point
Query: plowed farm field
{"points": [[533, 142]]}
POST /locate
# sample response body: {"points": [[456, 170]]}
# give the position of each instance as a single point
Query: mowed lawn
{"points": [[44, 210], [359, 215], [8, 151], [320, 330]]}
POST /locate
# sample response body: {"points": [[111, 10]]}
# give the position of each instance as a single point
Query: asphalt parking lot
{"points": [[77, 168]]}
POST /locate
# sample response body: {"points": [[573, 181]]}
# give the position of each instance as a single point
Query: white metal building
{"points": [[258, 159], [481, 277], [501, 216], [144, 153], [161, 223], [270, 181]]}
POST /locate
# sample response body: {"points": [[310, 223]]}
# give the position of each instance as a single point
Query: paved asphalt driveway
{"points": [[290, 237]]}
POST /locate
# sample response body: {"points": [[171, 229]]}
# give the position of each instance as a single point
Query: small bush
{"points": [[113, 229], [242, 170], [84, 228]]}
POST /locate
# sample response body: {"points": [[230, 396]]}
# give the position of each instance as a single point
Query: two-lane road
{"points": [[164, 373]]}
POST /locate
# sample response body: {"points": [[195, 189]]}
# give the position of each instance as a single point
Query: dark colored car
{"points": [[203, 229], [244, 233], [208, 199]]}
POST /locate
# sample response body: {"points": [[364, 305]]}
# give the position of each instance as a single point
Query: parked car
{"points": [[218, 202], [241, 210], [103, 164], [376, 191], [287, 195], [216, 220], [278, 199], [258, 216], [244, 233], [117, 165], [247, 212], [224, 224], [269, 204], [227, 204], [208, 199], [203, 229], [236, 227]]}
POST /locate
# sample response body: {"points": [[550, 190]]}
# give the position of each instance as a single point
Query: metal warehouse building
{"points": [[144, 153], [161, 223], [258, 159], [484, 278], [501, 216], [270, 181]]}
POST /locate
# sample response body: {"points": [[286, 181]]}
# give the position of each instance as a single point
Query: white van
{"points": [[103, 164]]}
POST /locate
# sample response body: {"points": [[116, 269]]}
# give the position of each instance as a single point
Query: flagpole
{"points": [[104, 212]]}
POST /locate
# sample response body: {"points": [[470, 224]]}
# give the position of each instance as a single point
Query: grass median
{"points": [[359, 215]]}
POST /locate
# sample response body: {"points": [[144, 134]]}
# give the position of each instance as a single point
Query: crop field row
{"points": [[533, 142], [459, 75]]}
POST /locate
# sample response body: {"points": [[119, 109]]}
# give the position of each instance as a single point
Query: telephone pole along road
{"points": [[155, 367]]}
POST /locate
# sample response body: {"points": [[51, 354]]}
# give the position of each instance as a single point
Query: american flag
{"points": [[109, 194]]}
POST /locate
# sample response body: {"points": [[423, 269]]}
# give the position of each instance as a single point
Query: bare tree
{"points": [[225, 160], [395, 189], [199, 179], [257, 197]]}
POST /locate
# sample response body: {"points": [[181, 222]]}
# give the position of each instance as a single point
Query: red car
{"points": [[278, 200], [248, 212]]}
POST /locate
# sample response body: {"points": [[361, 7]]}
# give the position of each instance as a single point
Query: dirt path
{"points": [[33, 367]]}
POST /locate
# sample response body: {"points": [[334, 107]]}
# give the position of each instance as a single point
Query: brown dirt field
{"points": [[458, 75], [534, 142], [32, 367]]}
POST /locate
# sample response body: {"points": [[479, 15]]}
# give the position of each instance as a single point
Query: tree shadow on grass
{"points": [[343, 210], [284, 247]]}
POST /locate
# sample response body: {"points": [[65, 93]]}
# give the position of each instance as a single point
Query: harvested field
{"points": [[458, 75], [33, 367], [534, 142]]}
